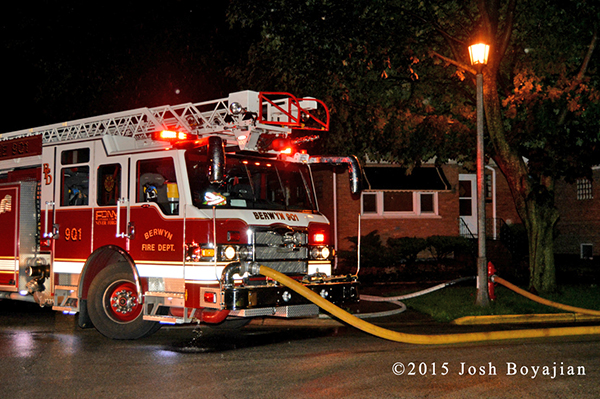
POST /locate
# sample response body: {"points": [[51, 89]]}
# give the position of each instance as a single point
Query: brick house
{"points": [[428, 201], [442, 201], [578, 229]]}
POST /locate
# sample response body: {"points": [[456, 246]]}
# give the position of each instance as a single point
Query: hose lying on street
{"points": [[396, 300], [414, 294], [436, 339], [385, 313]]}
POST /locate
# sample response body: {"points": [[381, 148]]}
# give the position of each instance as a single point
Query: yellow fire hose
{"points": [[543, 301], [436, 339]]}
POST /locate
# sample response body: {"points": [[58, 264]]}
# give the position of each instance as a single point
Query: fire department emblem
{"points": [[109, 183]]}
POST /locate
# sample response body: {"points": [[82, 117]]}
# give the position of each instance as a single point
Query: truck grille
{"points": [[282, 249]]}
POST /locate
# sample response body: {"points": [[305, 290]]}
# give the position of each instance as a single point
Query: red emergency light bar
{"points": [[171, 135]]}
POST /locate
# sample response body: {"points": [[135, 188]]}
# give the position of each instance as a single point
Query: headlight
{"points": [[229, 253], [320, 253]]}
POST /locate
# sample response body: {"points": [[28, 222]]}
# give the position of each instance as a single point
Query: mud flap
{"points": [[83, 320]]}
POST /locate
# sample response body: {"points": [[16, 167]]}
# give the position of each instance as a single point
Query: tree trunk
{"points": [[540, 221], [534, 200]]}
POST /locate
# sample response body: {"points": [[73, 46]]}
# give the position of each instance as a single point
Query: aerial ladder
{"points": [[246, 120], [239, 120]]}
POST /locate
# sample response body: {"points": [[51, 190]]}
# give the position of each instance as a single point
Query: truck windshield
{"points": [[248, 182]]}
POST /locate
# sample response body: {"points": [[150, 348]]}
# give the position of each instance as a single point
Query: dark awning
{"points": [[396, 178]]}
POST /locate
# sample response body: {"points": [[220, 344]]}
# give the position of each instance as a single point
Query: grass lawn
{"points": [[451, 303]]}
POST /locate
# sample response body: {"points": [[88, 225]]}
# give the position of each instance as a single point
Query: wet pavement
{"points": [[43, 353]]}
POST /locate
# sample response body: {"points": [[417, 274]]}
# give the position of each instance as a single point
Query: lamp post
{"points": [[479, 56]]}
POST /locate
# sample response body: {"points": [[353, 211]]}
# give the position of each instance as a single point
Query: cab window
{"points": [[156, 182], [109, 184], [75, 185]]}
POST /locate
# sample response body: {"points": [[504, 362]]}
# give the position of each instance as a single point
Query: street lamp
{"points": [[479, 56]]}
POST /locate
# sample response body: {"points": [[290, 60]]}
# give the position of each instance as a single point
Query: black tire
{"points": [[113, 305]]}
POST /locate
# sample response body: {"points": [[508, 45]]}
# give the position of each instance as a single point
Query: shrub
{"points": [[406, 248], [398, 259], [372, 251], [441, 247]]}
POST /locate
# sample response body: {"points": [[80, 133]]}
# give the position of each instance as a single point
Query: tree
{"points": [[350, 57], [544, 126], [398, 77]]}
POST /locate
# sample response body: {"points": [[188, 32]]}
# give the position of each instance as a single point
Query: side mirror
{"points": [[355, 171]]}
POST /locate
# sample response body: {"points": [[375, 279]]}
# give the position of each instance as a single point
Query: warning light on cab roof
{"points": [[171, 135]]}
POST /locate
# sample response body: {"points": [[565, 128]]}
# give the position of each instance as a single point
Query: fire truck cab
{"points": [[151, 216]]}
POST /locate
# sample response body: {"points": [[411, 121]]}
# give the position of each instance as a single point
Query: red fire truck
{"points": [[152, 216]]}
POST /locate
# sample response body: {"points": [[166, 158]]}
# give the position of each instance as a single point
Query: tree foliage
{"points": [[359, 59], [398, 79]]}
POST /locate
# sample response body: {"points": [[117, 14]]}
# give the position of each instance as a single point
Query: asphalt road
{"points": [[45, 354]]}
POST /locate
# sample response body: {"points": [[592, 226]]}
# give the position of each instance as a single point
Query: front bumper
{"points": [[338, 290]]}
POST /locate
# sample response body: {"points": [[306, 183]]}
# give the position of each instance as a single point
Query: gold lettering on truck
{"points": [[160, 247]]}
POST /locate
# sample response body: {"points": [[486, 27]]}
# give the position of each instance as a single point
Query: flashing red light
{"points": [[319, 238], [171, 135], [282, 145]]}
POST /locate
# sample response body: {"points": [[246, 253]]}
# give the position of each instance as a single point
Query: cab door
{"points": [[157, 246], [72, 188], [111, 202]]}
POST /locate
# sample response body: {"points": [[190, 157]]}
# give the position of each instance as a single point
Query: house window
{"points": [[369, 203], [489, 187], [584, 189], [587, 251], [399, 203], [427, 203]]}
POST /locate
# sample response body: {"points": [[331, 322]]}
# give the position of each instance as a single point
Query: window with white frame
{"points": [[584, 189], [399, 203], [587, 251]]}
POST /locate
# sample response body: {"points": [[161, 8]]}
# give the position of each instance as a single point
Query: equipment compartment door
{"points": [[9, 259]]}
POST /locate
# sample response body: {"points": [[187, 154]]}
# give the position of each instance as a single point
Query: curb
{"points": [[526, 318]]}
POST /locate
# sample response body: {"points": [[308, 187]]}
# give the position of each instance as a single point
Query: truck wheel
{"points": [[114, 306]]}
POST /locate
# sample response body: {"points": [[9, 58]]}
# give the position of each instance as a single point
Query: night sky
{"points": [[65, 60]]}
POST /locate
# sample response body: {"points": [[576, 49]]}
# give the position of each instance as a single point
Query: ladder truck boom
{"points": [[235, 119]]}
